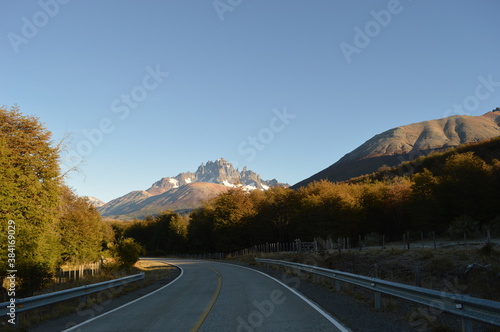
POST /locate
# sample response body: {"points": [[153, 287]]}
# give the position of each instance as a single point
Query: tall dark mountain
{"points": [[184, 191], [409, 142]]}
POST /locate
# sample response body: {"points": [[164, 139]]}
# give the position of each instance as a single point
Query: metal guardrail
{"points": [[467, 307], [67, 294]]}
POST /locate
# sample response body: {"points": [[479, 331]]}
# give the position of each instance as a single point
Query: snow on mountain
{"points": [[186, 190], [95, 201], [221, 172]]}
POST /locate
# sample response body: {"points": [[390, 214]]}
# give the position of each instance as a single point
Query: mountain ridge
{"points": [[406, 143], [185, 191]]}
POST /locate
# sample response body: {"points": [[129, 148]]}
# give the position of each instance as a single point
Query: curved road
{"points": [[212, 296]]}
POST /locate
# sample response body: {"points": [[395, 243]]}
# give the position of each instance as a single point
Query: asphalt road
{"points": [[212, 296]]}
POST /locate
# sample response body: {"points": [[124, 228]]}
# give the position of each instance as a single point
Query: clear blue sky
{"points": [[284, 87]]}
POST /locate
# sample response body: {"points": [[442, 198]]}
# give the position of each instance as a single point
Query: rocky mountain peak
{"points": [[221, 172], [94, 201], [186, 190]]}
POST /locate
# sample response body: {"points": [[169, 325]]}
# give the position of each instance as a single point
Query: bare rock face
{"points": [[408, 142], [94, 201], [185, 191]]}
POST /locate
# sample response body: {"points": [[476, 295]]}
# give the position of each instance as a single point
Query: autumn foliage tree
{"points": [[30, 186], [52, 224], [459, 193], [81, 231], [466, 187], [160, 234]]}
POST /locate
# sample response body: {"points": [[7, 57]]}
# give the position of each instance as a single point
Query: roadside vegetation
{"points": [[472, 270], [95, 303], [44, 224], [451, 194]]}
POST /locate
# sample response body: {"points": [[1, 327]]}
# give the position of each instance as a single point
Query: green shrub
{"points": [[127, 252], [32, 277], [463, 224]]}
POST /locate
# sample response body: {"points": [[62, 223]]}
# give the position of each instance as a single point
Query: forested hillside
{"points": [[447, 193], [450, 193]]}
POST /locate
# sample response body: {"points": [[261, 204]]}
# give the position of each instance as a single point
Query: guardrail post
{"points": [[83, 298], [378, 300], [338, 285], [466, 325], [472, 309], [418, 278]]}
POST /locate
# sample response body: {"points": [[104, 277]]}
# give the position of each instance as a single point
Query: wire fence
{"points": [[407, 241], [68, 273]]}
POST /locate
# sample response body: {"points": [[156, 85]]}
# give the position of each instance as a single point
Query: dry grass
{"points": [[474, 271], [441, 269]]}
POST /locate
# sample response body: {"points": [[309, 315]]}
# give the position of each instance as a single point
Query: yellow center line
{"points": [[211, 304]]}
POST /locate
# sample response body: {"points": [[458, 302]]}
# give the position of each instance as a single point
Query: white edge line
{"points": [[128, 303], [305, 299]]}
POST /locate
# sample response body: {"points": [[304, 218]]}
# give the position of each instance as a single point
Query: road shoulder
{"points": [[79, 316]]}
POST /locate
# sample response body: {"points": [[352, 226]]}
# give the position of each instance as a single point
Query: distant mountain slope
{"points": [[408, 142], [488, 150], [94, 201], [139, 204], [184, 191]]}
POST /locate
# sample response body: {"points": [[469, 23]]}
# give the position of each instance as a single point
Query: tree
{"points": [[222, 223], [177, 235], [397, 206], [327, 209], [30, 185], [425, 208], [231, 210], [80, 227], [166, 232], [201, 229], [466, 187], [279, 206], [127, 252]]}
